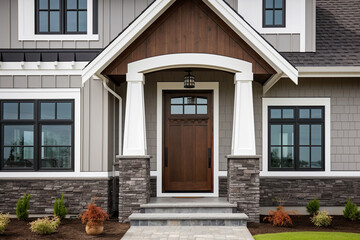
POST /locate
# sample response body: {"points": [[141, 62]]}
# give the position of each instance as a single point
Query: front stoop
{"points": [[187, 212]]}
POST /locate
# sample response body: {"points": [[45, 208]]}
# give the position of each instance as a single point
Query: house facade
{"points": [[127, 100]]}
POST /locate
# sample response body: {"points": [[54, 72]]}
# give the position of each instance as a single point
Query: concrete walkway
{"points": [[187, 232]]}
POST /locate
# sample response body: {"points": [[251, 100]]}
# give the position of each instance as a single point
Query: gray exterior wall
{"points": [[98, 147], [226, 105], [37, 81], [310, 25], [345, 115], [113, 17], [284, 42]]}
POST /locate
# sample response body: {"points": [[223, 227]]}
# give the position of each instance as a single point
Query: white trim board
{"points": [[227, 14], [26, 24], [266, 102], [59, 93], [308, 72], [161, 86], [56, 175], [41, 68]]}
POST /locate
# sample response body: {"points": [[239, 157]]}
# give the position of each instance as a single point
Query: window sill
{"points": [[60, 37]]}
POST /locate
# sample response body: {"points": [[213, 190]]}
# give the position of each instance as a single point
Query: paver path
{"points": [[187, 232]]}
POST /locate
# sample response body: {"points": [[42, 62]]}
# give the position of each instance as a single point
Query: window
{"points": [[296, 138], [37, 135], [189, 105], [61, 16], [273, 13]]}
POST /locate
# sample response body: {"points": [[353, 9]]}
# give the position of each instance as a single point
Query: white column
{"points": [[243, 137], [134, 127]]}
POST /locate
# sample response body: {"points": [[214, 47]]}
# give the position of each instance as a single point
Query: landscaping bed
{"points": [[69, 229], [302, 224]]}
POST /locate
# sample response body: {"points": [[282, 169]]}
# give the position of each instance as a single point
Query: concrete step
{"points": [[188, 206], [188, 219]]}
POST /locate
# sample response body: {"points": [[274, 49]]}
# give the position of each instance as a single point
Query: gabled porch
{"points": [[174, 134]]}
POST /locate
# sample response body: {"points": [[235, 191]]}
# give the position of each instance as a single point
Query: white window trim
{"points": [[296, 102], [60, 93], [26, 24], [161, 86]]}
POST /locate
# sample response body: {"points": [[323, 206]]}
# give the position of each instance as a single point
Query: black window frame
{"points": [[37, 122], [62, 21], [296, 121], [273, 25]]}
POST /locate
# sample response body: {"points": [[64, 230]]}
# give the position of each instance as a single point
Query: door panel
{"points": [[188, 138]]}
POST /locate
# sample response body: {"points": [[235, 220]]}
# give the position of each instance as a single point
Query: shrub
{"points": [[45, 225], [22, 207], [4, 221], [313, 207], [351, 211], [322, 219], [59, 209], [280, 217], [94, 214]]}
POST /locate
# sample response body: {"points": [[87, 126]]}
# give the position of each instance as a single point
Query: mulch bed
{"points": [[69, 229], [302, 223]]}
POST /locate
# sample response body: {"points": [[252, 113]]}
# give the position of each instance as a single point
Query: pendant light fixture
{"points": [[189, 80]]}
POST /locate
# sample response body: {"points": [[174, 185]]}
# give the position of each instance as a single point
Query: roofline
{"points": [[225, 12], [342, 71], [122, 41], [253, 38]]}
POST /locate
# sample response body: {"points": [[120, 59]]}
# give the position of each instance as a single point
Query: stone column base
{"points": [[134, 184], [243, 185]]}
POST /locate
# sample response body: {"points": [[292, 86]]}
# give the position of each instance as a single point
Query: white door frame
{"points": [[161, 87]]}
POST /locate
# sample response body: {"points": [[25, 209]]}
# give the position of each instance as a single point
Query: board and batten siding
{"points": [[113, 17], [345, 114], [98, 116]]}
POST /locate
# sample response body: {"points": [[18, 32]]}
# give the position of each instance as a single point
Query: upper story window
{"points": [[273, 13], [296, 138], [37, 135], [61, 16]]}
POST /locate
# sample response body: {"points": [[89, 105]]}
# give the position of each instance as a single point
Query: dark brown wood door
{"points": [[188, 137]]}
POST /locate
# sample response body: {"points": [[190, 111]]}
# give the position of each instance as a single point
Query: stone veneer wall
{"points": [[299, 191], [244, 185], [77, 194], [134, 185]]}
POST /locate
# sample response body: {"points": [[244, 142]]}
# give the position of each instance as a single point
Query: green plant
{"points": [[351, 211], [313, 207], [322, 219], [22, 207], [4, 221], [45, 225], [280, 217], [59, 209]]}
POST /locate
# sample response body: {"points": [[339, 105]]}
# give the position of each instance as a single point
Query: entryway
{"points": [[188, 141]]}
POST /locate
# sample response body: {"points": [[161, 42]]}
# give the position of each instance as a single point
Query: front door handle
{"points": [[209, 157], [166, 157]]}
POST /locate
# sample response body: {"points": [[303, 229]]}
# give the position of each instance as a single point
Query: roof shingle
{"points": [[337, 36]]}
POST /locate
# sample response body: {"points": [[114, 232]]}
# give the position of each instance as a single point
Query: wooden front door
{"points": [[188, 141]]}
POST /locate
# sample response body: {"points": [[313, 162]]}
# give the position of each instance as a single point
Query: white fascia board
{"points": [[307, 72], [251, 37], [41, 68], [126, 38]]}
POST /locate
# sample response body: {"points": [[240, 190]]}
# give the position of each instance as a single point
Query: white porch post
{"points": [[134, 128], [243, 137]]}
